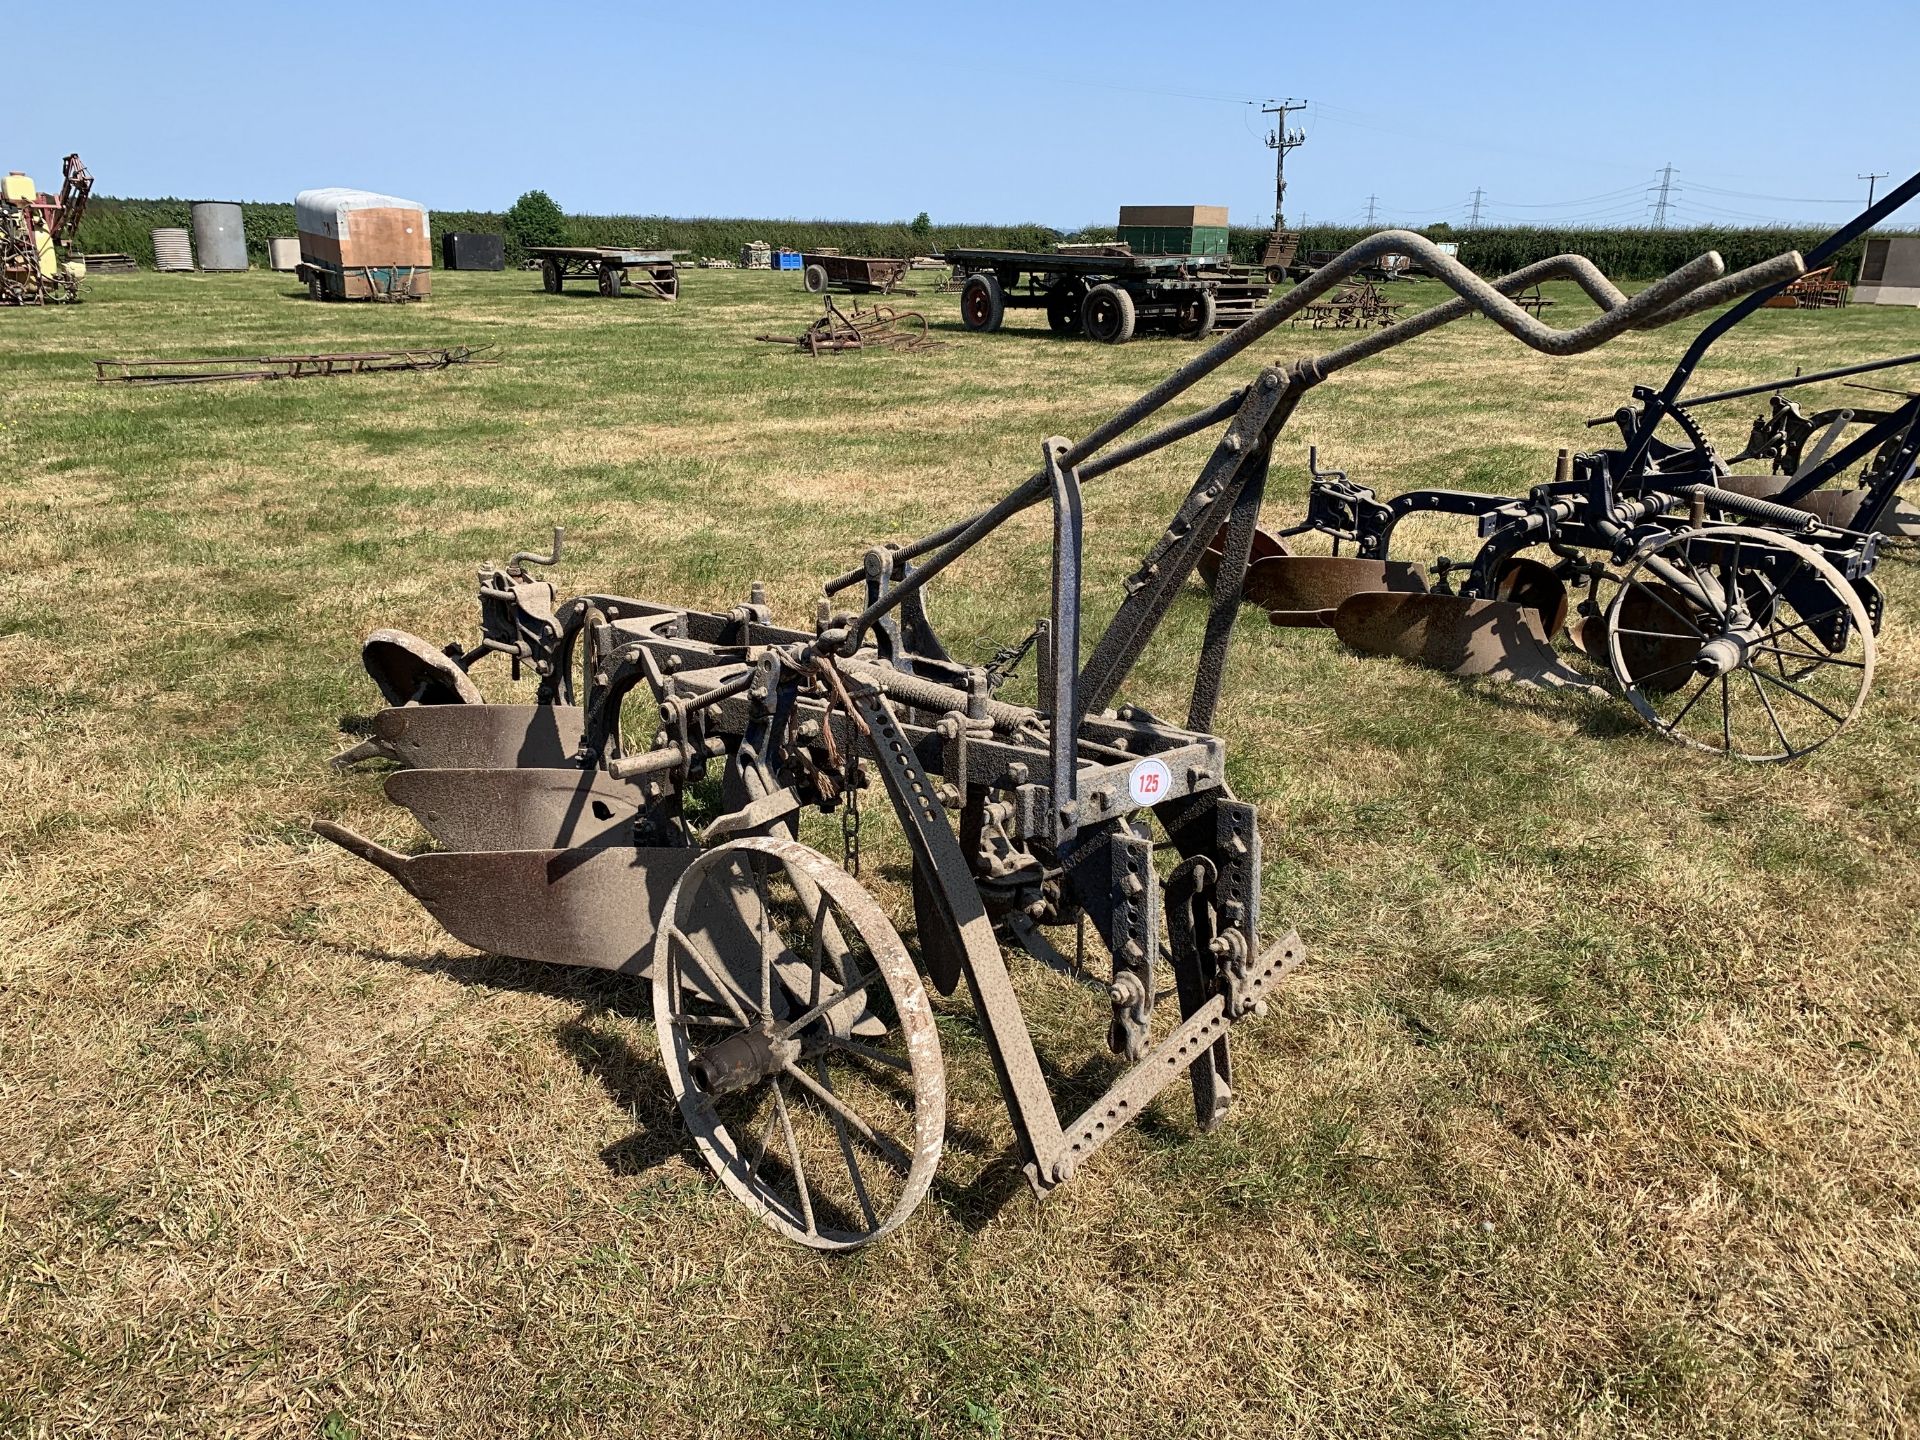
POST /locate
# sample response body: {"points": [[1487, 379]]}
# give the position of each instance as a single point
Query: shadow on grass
{"points": [[637, 1082]]}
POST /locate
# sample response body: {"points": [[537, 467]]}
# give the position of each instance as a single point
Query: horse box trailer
{"points": [[356, 245]]}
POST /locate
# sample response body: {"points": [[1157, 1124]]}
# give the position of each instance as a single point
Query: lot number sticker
{"points": [[1149, 782]]}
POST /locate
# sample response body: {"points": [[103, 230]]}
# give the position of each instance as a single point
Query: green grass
{"points": [[1591, 1112]]}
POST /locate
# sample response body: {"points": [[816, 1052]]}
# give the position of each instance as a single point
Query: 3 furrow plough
{"points": [[793, 1021], [1735, 612]]}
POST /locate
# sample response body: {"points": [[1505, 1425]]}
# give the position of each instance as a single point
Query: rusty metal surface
{"points": [[1489, 638], [409, 671], [590, 906], [1305, 590], [518, 809], [480, 737]]}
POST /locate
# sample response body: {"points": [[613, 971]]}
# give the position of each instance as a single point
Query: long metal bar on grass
{"points": [[200, 371]]}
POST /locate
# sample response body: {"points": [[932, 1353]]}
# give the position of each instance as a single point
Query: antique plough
{"points": [[1735, 612], [663, 838]]}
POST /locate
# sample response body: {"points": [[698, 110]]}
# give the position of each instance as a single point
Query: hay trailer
{"points": [[653, 273], [1107, 296]]}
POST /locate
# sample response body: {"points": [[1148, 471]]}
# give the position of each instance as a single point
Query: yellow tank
{"points": [[18, 187]]}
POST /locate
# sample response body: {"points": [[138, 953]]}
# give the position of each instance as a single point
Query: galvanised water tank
{"points": [[219, 235]]}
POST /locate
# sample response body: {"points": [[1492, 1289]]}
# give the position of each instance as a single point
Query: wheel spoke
{"points": [[1818, 659], [1791, 688], [794, 1027], [892, 1149], [1705, 685], [1761, 691], [1804, 622], [766, 1139], [1661, 601], [766, 949], [847, 1154], [722, 982], [1726, 714], [1656, 634], [793, 1152]]}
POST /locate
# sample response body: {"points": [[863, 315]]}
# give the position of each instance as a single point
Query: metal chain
{"points": [[850, 818]]}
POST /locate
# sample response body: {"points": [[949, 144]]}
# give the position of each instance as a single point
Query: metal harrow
{"points": [[643, 814]]}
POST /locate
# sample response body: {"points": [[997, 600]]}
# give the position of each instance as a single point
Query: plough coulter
{"points": [[1736, 612], [643, 814]]}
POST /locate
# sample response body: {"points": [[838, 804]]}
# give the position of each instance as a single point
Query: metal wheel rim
{"points": [[1101, 316], [977, 304], [737, 1161], [1752, 686]]}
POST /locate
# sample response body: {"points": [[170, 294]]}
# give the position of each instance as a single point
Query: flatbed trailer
{"points": [[652, 272], [1106, 295], [854, 274]]}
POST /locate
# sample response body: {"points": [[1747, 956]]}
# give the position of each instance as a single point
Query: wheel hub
{"points": [[743, 1060]]}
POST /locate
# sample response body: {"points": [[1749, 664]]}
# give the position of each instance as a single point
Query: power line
{"points": [[1870, 177]]}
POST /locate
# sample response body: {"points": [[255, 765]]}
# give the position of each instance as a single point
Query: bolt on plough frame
{"points": [[793, 1022]]}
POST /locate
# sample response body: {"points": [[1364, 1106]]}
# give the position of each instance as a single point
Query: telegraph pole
{"points": [[1280, 140], [1870, 177], [1478, 196], [1663, 193], [1372, 198]]}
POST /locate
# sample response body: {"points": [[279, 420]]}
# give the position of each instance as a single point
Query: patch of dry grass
{"points": [[1591, 1114]]}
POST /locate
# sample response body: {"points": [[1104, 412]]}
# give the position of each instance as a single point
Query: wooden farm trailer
{"points": [[1106, 294], [652, 272], [855, 274]]}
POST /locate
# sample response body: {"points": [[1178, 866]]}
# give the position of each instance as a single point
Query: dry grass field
{"points": [[1593, 1112]]}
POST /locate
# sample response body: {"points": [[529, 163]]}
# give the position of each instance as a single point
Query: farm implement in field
{"points": [[34, 228], [881, 328], [1736, 613], [793, 1022]]}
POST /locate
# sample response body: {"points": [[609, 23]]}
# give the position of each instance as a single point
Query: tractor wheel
{"points": [[982, 304], [1107, 315]]}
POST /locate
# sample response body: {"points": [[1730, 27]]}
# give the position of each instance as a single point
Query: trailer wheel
{"points": [[1063, 307], [814, 277], [1197, 316], [1107, 315], [550, 276], [982, 304], [316, 287], [612, 280], [799, 1042]]}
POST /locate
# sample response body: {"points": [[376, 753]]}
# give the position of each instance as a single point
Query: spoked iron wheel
{"points": [[1765, 653], [799, 1042]]}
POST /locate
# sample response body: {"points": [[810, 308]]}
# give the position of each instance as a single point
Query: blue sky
{"points": [[987, 111]]}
